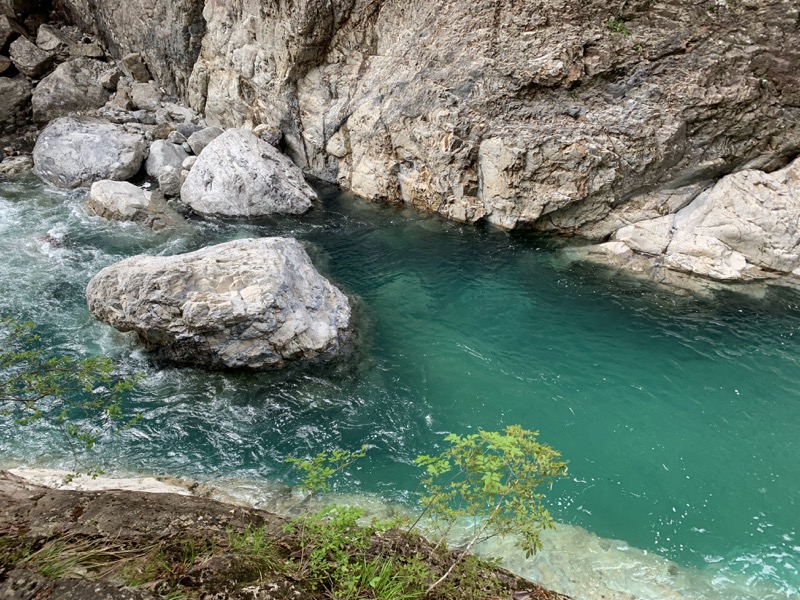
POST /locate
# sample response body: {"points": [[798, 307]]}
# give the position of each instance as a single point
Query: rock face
{"points": [[77, 151], [238, 175], [123, 201], [168, 34], [253, 304], [562, 116], [15, 94], [747, 227], [74, 86]]}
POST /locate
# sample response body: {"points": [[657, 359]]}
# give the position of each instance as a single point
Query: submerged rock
{"points": [[123, 201], [73, 87], [254, 304], [238, 175], [77, 151]]}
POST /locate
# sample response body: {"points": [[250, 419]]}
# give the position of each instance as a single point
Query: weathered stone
{"points": [[145, 96], [187, 129], [89, 50], [123, 201], [29, 59], [16, 94], [176, 137], [238, 175], [200, 139], [167, 34], [164, 163], [10, 30], [74, 86], [161, 132], [251, 304], [522, 114], [5, 64], [110, 79], [189, 163], [77, 151], [15, 165], [53, 41], [134, 68], [744, 228]]}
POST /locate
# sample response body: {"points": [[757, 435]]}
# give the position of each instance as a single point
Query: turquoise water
{"points": [[679, 416]]}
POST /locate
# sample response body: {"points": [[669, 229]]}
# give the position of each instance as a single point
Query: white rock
{"points": [[255, 304], [77, 151], [239, 175], [123, 201]]}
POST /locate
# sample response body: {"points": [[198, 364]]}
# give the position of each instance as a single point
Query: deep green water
{"points": [[679, 416]]}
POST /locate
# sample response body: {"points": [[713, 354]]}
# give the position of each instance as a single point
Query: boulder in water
{"points": [[250, 304], [77, 151], [239, 175], [123, 201]]}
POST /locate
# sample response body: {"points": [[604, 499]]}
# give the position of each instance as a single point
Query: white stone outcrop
{"points": [[77, 151], [251, 304], [747, 227], [239, 175]]}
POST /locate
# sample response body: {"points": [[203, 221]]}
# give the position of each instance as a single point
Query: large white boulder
{"points": [[253, 304], [239, 175], [77, 151]]}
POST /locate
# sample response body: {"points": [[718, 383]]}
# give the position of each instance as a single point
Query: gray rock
{"points": [[10, 30], [77, 151], [176, 137], [167, 34], [246, 304], [29, 58], [145, 96], [5, 64], [16, 165], [170, 181], [123, 201], [189, 163], [238, 175], [134, 68], [53, 41], [187, 129], [530, 115], [74, 86], [164, 163], [16, 94], [110, 79], [200, 139], [742, 229], [89, 50]]}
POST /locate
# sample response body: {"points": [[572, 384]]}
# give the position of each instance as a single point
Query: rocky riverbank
{"points": [[136, 545], [610, 121]]}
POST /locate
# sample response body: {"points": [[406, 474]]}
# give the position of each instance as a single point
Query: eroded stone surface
{"points": [[74, 86], [75, 152], [123, 201], [239, 175], [253, 304]]}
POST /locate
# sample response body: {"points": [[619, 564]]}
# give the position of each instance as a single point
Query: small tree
{"points": [[494, 478], [35, 386]]}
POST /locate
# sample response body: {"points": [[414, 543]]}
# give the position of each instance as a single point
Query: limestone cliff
{"points": [[571, 116]]}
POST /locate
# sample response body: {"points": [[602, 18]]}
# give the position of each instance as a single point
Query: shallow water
{"points": [[679, 415]]}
